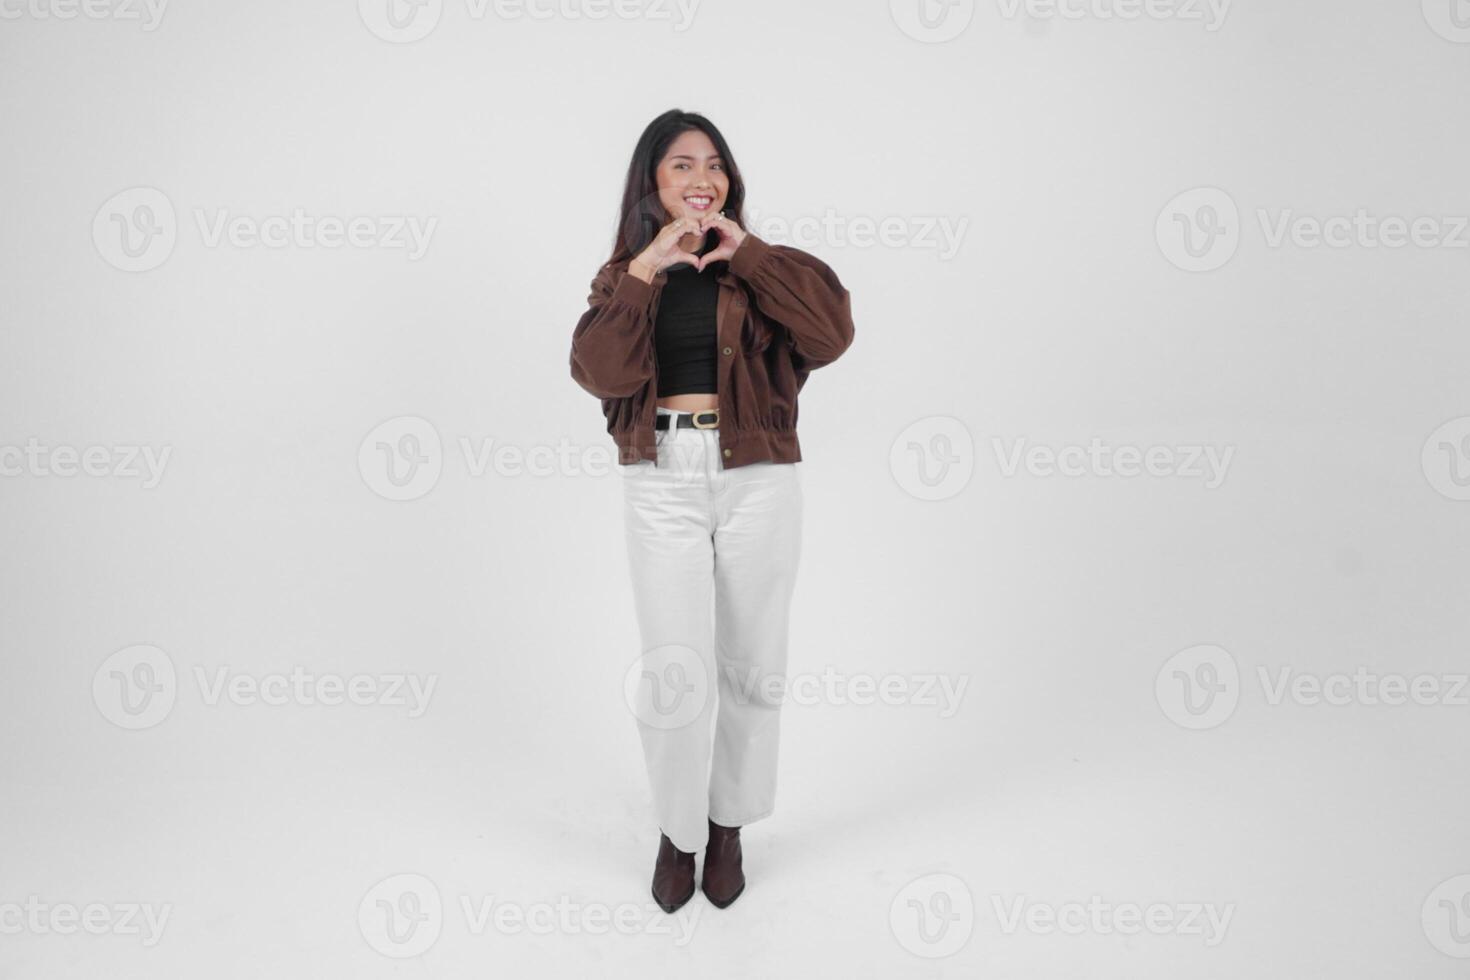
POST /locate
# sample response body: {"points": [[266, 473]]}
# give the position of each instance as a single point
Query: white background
{"points": [[1334, 541]]}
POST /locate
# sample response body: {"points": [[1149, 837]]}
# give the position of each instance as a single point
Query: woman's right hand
{"points": [[664, 250]]}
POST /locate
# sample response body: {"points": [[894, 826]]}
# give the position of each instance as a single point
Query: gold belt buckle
{"points": [[714, 423]]}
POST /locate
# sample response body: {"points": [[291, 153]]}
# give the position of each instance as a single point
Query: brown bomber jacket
{"points": [[782, 313]]}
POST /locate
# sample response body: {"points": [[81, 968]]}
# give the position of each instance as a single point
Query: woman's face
{"points": [[691, 177]]}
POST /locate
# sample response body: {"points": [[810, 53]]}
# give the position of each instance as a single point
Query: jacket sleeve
{"points": [[800, 292], [612, 345]]}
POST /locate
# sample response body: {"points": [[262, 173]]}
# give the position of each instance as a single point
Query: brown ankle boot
{"points": [[724, 878], [673, 875]]}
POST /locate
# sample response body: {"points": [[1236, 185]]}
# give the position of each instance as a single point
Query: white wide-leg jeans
{"points": [[713, 556]]}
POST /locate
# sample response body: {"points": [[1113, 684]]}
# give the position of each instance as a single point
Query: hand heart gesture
{"points": [[731, 235]]}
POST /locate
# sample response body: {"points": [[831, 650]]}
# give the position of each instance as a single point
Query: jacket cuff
{"points": [[748, 255], [634, 291]]}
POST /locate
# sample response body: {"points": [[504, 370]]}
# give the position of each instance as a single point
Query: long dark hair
{"points": [[643, 214]]}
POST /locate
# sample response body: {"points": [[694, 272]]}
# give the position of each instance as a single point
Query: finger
{"points": [[710, 258]]}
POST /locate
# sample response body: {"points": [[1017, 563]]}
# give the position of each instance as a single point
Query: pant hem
{"points": [[680, 847], [741, 823]]}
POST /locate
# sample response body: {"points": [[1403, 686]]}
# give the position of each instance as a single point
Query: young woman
{"points": [[697, 338]]}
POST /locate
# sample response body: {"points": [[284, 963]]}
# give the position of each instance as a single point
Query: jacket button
{"points": [[727, 454], [727, 352]]}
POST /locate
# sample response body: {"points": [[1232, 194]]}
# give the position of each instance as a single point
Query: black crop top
{"points": [[684, 331]]}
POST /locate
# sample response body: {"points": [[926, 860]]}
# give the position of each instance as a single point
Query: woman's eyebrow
{"points": [[685, 156]]}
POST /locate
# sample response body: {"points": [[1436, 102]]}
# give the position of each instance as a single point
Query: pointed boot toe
{"points": [[673, 875], [724, 875]]}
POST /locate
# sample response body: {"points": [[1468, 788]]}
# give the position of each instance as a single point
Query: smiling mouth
{"points": [[700, 202]]}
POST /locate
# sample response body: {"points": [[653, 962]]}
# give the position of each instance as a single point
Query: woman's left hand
{"points": [[731, 235]]}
